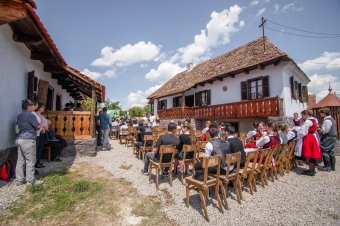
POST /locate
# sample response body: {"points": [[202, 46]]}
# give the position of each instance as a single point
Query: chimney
{"points": [[190, 66]]}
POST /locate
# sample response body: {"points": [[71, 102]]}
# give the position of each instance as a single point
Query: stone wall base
{"points": [[85, 147]]}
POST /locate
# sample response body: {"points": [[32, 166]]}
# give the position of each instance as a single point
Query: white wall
{"points": [[15, 63], [291, 105]]}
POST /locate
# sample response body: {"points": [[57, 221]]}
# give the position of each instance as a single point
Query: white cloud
{"points": [[91, 74], [291, 6], [242, 23], [138, 98], [276, 8], [110, 73], [254, 2], [260, 12], [143, 65], [127, 55], [319, 84], [218, 31], [328, 61], [165, 71]]}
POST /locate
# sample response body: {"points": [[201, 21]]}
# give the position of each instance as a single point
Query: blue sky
{"points": [[132, 47]]}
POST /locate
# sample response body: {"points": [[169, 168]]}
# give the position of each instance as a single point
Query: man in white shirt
{"points": [[152, 120], [328, 140]]}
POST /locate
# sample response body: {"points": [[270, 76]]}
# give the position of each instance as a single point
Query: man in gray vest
{"points": [[328, 140]]}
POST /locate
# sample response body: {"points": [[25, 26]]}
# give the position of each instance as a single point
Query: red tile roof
{"points": [[328, 101], [246, 57]]}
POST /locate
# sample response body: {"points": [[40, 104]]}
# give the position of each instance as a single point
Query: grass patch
{"points": [[59, 193]]}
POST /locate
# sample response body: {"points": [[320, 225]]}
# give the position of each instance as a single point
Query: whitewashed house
{"points": [[32, 67], [242, 86]]}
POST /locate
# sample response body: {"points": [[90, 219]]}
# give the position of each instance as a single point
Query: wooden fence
{"points": [[71, 125]]}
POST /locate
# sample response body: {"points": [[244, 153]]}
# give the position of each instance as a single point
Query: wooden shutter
{"points": [[31, 86], [296, 89], [165, 104], [265, 86], [208, 92], [158, 105], [197, 99], [304, 91], [292, 87], [244, 90], [300, 91], [42, 91]]}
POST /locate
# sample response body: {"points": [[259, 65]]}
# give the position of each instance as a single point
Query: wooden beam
{"points": [[41, 56], [93, 98], [261, 66], [27, 39], [231, 75], [53, 69], [278, 61], [59, 76], [220, 78], [64, 83], [11, 11], [201, 84], [245, 71]]}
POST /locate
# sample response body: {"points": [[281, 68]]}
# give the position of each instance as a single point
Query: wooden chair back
{"points": [[261, 156], [187, 148], [148, 138], [210, 162], [233, 159], [269, 157], [124, 131], [166, 150]]}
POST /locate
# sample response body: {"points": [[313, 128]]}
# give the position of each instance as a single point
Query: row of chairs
{"points": [[259, 166]]}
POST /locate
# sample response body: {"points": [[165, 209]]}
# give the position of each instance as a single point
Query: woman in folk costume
{"points": [[309, 150], [296, 120], [254, 135], [270, 138]]}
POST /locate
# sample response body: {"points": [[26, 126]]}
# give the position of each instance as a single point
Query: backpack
{"points": [[7, 171]]}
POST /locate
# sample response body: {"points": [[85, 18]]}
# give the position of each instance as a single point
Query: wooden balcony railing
{"points": [[71, 125], [254, 108]]}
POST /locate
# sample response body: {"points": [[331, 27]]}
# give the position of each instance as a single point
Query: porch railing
{"points": [[71, 125], [253, 108]]}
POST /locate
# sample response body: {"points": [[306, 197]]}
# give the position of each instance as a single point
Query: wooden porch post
{"points": [[183, 105], [92, 126]]}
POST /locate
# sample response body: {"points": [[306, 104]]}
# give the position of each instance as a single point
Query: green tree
{"points": [[147, 109], [86, 103], [112, 105], [136, 111]]}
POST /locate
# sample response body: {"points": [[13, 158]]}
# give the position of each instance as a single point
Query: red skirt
{"points": [[311, 151]]}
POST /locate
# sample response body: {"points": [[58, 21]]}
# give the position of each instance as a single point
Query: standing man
{"points": [[98, 129], [105, 126], [328, 140], [26, 143]]}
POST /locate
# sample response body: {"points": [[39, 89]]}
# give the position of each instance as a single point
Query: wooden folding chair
{"points": [[258, 165], [114, 132], [233, 159], [289, 159], [266, 166], [277, 157], [131, 138], [144, 149], [248, 172], [203, 185], [200, 147], [123, 136], [160, 165], [187, 150]]}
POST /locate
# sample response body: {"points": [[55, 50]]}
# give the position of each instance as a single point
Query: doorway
{"points": [[49, 101]]}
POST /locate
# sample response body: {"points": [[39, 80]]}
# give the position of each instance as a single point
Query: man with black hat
{"points": [[328, 140]]}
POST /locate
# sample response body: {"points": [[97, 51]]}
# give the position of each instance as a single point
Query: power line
{"points": [[312, 32], [300, 35]]}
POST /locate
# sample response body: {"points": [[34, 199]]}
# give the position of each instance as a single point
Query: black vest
{"points": [[220, 147]]}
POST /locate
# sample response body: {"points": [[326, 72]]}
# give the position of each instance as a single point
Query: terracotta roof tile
{"points": [[247, 56], [328, 101]]}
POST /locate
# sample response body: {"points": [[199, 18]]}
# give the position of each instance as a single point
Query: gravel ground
{"points": [[292, 200]]}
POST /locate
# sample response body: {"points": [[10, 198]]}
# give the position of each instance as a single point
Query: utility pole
{"points": [[263, 21]]}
